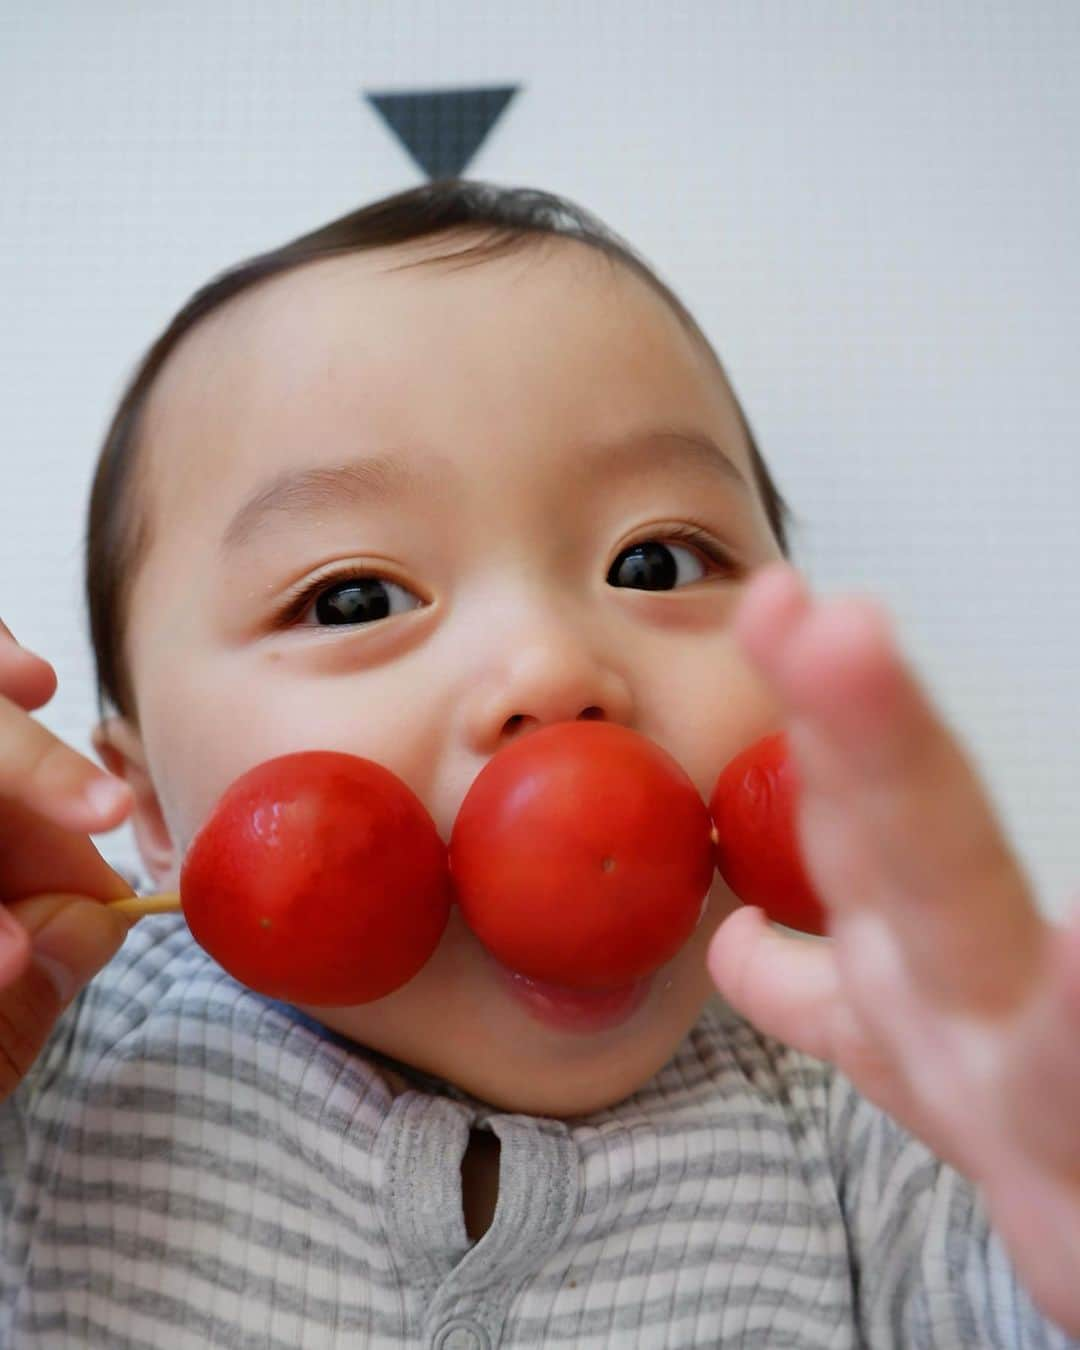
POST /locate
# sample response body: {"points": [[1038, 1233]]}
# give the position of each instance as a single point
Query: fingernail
{"points": [[106, 794], [65, 981], [75, 944]]}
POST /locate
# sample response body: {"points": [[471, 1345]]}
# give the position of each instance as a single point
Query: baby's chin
{"points": [[531, 1048], [538, 1076]]}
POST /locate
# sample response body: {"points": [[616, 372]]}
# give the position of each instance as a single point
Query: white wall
{"points": [[873, 210]]}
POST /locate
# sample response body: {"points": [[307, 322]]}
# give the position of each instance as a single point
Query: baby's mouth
{"points": [[574, 1010]]}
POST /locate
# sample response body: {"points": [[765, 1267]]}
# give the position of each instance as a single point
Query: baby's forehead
{"points": [[362, 340], [248, 329], [296, 314], [306, 296], [265, 345]]}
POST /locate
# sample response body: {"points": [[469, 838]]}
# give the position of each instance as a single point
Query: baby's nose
{"points": [[544, 683]]}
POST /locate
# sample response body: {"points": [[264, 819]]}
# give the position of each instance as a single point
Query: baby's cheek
{"points": [[684, 985], [712, 704], [191, 768]]}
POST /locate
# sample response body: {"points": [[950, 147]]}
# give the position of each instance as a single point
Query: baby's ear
{"points": [[120, 749]]}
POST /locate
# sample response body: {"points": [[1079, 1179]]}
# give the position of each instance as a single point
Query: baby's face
{"points": [[493, 442]]}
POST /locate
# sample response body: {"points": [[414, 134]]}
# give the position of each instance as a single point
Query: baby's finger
{"points": [[785, 986], [791, 989], [1041, 1091], [40, 770], [866, 736], [25, 678]]}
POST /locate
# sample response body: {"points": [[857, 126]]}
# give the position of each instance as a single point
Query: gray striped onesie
{"points": [[192, 1165]]}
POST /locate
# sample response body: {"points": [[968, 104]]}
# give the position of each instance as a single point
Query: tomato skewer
{"points": [[582, 855]]}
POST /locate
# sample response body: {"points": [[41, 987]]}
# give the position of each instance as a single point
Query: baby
{"points": [[450, 469]]}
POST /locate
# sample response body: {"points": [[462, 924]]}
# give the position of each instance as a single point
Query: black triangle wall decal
{"points": [[442, 129]]}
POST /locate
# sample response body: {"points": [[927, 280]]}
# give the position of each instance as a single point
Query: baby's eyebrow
{"points": [[373, 479], [666, 449], [380, 478]]}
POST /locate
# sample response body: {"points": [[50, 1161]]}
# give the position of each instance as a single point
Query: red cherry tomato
{"points": [[318, 878], [753, 807], [582, 855]]}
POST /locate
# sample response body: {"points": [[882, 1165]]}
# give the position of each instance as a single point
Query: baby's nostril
{"points": [[518, 721]]}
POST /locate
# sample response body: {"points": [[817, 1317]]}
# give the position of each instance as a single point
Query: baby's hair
{"points": [[508, 218]]}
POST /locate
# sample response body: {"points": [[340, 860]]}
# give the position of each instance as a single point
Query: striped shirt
{"points": [[190, 1164]]}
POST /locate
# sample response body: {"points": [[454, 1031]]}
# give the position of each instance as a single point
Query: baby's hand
{"points": [[49, 948], [943, 994]]}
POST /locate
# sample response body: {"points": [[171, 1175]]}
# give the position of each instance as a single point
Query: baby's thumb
{"points": [[71, 938]]}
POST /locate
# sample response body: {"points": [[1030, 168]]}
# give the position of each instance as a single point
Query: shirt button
{"points": [[461, 1333]]}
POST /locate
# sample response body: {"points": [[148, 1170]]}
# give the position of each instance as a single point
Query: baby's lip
{"points": [[575, 1010]]}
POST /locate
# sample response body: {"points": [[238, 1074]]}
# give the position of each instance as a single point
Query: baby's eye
{"points": [[655, 566], [354, 600]]}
